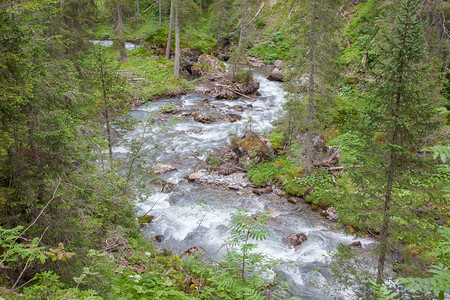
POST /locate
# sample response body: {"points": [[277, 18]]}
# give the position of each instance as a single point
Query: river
{"points": [[199, 215]]}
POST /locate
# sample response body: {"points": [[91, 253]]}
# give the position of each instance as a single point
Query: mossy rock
{"points": [[144, 220], [314, 207]]}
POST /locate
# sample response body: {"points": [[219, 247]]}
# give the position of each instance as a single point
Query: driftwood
{"points": [[224, 162], [234, 91], [333, 156]]}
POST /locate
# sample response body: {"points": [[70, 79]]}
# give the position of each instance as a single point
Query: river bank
{"points": [[195, 214]]}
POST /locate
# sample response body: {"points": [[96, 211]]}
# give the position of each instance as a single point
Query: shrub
{"points": [[244, 76]]}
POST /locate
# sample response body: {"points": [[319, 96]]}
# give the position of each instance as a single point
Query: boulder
{"points": [[278, 64], [194, 250], [223, 56], [159, 238], [255, 62], [234, 187], [233, 118], [261, 191], [238, 108], [293, 200], [203, 118], [167, 187], [295, 239], [276, 75], [251, 87], [195, 176], [279, 192], [274, 222], [159, 169], [221, 228], [356, 244], [206, 64], [188, 59], [332, 214]]}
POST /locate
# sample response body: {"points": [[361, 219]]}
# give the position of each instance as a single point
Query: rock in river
{"points": [[192, 250], [295, 239], [159, 169]]}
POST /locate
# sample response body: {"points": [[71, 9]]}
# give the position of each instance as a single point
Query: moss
{"points": [[144, 220]]}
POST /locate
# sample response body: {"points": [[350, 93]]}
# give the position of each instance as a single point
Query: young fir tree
{"points": [[399, 113], [108, 89], [313, 68]]}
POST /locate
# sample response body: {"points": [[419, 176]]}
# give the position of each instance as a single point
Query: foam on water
{"points": [[186, 223]]}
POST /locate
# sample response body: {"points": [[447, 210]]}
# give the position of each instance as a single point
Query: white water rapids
{"points": [[198, 215]]}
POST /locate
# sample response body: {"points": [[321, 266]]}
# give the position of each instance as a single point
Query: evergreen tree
{"points": [[108, 89], [398, 115], [313, 68]]}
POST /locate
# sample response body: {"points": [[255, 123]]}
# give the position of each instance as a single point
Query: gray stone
{"points": [[159, 169], [295, 239]]}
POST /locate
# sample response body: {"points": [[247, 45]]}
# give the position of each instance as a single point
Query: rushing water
{"points": [[199, 215], [108, 43]]}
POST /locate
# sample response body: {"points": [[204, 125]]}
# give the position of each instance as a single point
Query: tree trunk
{"points": [[169, 37], [240, 35], [219, 15], [385, 227], [119, 34], [160, 15], [137, 18], [176, 70], [309, 147], [107, 119]]}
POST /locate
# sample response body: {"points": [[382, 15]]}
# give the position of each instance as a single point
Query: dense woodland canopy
{"points": [[369, 77]]}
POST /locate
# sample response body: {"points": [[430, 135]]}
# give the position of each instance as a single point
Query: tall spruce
{"points": [[395, 122], [313, 71]]}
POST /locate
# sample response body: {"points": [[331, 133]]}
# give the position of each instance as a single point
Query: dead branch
{"points": [[151, 6], [35, 220], [28, 263]]}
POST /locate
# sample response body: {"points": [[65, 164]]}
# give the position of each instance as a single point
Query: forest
{"points": [[224, 149]]}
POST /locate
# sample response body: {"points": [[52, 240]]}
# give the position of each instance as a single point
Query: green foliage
{"points": [[383, 292], [437, 285], [277, 140], [157, 75], [259, 23], [213, 161], [277, 48], [361, 32], [149, 285], [15, 252], [203, 42], [244, 76], [262, 173], [243, 262], [139, 52], [47, 285]]}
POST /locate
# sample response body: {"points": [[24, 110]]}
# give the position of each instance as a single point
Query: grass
{"points": [[156, 75]]}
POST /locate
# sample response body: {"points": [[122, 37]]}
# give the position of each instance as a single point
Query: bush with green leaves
{"points": [[244, 76]]}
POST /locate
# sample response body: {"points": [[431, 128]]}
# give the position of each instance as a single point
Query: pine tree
{"points": [[313, 68]]}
